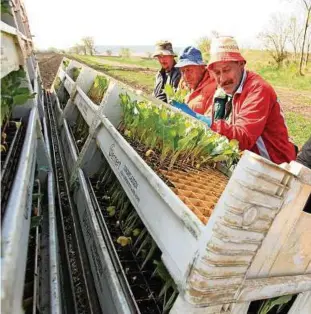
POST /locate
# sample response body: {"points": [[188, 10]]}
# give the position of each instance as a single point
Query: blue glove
{"points": [[204, 119], [184, 108], [190, 112]]}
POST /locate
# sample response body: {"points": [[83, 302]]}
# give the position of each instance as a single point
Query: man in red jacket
{"points": [[246, 107], [197, 78]]}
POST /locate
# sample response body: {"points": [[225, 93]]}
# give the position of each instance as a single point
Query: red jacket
{"points": [[201, 99], [257, 121]]}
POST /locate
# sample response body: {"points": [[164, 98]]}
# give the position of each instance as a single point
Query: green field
{"points": [[284, 80], [299, 127], [287, 76], [143, 62], [139, 79]]}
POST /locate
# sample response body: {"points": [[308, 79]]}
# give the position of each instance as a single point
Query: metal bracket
{"points": [[93, 130]]}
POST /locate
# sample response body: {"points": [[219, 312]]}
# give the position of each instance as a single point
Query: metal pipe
{"points": [[55, 298]]}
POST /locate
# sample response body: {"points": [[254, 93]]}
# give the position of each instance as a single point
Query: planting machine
{"points": [[93, 223]]}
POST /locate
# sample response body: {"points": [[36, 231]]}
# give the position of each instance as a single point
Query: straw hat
{"points": [[164, 48], [224, 49]]}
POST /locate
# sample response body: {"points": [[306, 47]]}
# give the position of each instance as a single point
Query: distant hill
{"points": [[138, 50]]}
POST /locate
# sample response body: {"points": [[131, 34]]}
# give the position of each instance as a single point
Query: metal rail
{"points": [[52, 255], [30, 301]]}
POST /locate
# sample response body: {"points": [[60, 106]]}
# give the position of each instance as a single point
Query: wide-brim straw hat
{"points": [[224, 49], [164, 48]]}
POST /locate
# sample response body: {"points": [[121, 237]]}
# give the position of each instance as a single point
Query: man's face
{"points": [[228, 75], [167, 62], [192, 75]]}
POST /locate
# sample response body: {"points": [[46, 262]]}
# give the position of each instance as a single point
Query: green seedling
{"points": [[111, 210]]}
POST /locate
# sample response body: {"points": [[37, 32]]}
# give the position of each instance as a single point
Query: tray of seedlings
{"points": [[98, 89], [62, 93], [80, 117], [20, 142], [80, 90], [177, 155], [12, 130]]}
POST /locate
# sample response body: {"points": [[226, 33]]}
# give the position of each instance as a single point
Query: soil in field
{"points": [[48, 65]]}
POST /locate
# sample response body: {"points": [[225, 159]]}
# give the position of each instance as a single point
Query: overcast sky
{"points": [[62, 23]]}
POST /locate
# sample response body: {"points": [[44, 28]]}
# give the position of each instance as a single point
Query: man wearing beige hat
{"points": [[168, 73], [246, 107]]}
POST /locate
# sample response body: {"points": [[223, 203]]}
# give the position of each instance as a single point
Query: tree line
{"points": [[287, 39], [290, 34]]}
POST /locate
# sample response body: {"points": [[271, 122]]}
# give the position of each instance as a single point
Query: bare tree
{"points": [[307, 6], [88, 43], [275, 39], [52, 50], [215, 33], [125, 52], [149, 54], [78, 49], [108, 52], [204, 44], [308, 50], [295, 36]]}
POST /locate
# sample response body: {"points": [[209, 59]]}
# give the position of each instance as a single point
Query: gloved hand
{"points": [[187, 110], [204, 119], [184, 108]]}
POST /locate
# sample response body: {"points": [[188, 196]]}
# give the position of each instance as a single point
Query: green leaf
{"points": [[111, 210], [169, 91], [271, 303], [21, 99], [21, 91], [5, 8], [136, 232]]}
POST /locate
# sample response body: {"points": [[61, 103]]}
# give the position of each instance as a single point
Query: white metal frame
{"points": [[237, 256]]}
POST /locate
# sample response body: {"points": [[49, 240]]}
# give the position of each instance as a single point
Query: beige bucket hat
{"points": [[224, 49], [164, 48]]}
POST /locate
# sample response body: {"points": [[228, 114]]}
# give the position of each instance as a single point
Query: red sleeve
{"points": [[250, 119]]}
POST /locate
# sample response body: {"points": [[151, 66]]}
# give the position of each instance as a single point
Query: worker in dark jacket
{"points": [[304, 157], [168, 73]]}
